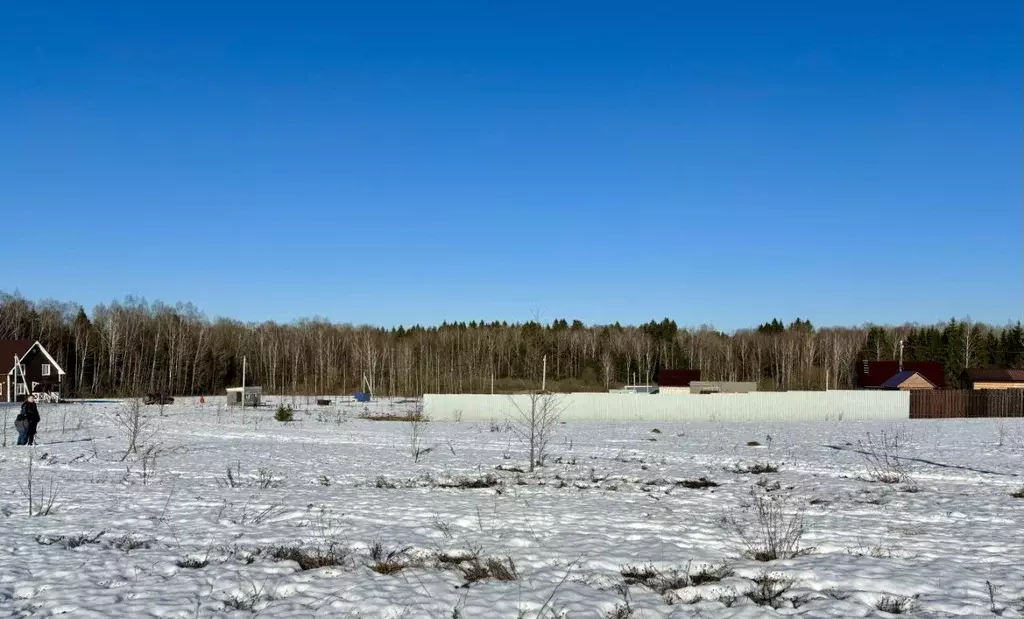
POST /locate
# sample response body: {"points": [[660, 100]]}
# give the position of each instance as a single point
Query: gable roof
{"points": [[876, 373], [902, 377], [10, 348], [676, 378], [995, 376]]}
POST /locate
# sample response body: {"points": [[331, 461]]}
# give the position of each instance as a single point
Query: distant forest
{"points": [[135, 347]]}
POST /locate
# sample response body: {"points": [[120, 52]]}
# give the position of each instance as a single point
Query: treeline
{"points": [[134, 347]]}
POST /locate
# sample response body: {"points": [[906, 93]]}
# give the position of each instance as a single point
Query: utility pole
{"points": [[901, 355], [544, 375], [243, 382]]}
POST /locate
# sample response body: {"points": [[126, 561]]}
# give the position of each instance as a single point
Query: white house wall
{"points": [[783, 406]]}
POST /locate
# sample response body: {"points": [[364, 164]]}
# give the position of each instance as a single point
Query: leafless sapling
{"points": [[137, 427], [534, 423], [40, 501], [417, 424]]}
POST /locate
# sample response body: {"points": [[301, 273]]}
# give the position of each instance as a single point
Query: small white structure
{"points": [[635, 389], [722, 386], [252, 396]]}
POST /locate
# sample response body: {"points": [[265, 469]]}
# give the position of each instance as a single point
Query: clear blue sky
{"points": [[412, 162]]}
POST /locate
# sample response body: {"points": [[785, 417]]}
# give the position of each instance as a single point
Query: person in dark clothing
{"points": [[27, 421]]}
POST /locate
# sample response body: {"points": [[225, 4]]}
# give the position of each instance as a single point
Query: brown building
{"points": [[874, 374], [908, 380], [26, 367], [996, 379]]}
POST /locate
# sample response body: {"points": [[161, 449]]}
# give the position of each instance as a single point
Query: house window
{"points": [[21, 369], [19, 389], [46, 369]]}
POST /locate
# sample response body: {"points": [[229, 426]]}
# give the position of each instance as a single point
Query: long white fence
{"points": [[783, 406]]}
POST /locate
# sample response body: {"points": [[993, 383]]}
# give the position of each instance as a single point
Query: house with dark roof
{"points": [[995, 379], [907, 380], [874, 374], [27, 367]]}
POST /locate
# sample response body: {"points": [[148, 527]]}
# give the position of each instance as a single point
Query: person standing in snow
{"points": [[27, 421]]}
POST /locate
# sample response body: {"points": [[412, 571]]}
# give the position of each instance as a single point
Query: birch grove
{"points": [[131, 347]]}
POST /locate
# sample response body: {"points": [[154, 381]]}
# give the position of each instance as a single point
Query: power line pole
{"points": [[243, 382], [544, 375]]}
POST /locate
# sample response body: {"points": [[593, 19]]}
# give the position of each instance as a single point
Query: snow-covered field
{"points": [[606, 529]]}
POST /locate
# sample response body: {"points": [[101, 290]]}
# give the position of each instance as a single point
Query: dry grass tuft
{"points": [[312, 558]]}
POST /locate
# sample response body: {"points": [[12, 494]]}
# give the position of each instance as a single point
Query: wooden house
{"points": [[874, 374], [27, 367], [995, 379], [907, 380]]}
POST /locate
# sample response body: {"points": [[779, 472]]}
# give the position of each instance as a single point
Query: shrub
{"points": [[758, 468], [414, 415], [388, 561], [384, 483], [128, 543], [284, 413], [443, 526], [727, 596], [266, 479], [490, 568], [192, 563], [770, 589], [882, 459], [894, 604], [244, 601], [312, 558], [652, 578], [773, 534], [471, 483], [662, 582], [71, 541], [1018, 494], [509, 468], [232, 479], [475, 568], [697, 484], [709, 573]]}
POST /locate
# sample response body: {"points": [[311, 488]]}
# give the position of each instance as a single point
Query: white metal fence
{"points": [[783, 406]]}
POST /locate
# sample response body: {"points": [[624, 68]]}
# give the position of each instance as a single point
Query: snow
{"points": [[606, 499]]}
